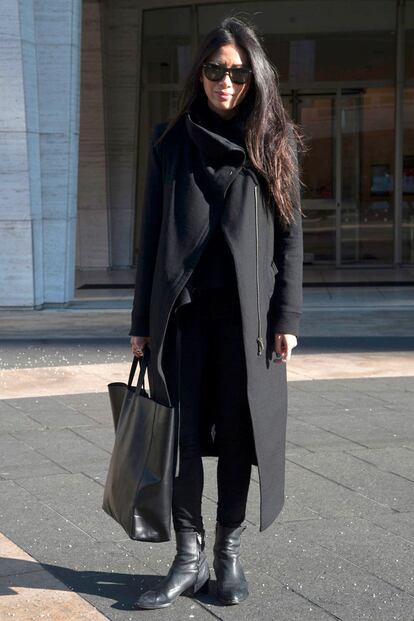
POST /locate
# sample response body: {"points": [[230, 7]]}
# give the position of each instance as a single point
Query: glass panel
{"points": [[316, 114], [367, 125], [409, 40], [408, 179], [351, 166], [408, 146], [156, 107], [310, 40], [166, 45]]}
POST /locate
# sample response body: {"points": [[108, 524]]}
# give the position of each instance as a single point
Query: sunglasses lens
{"points": [[238, 75], [214, 72]]}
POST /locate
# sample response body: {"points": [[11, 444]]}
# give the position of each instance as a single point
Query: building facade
{"points": [[84, 82]]}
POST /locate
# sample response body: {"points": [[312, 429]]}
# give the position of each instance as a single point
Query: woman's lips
{"points": [[223, 95]]}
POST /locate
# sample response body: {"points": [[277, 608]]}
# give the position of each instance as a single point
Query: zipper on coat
{"points": [[259, 340]]}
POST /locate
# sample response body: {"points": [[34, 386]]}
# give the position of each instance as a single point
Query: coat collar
{"points": [[204, 128]]}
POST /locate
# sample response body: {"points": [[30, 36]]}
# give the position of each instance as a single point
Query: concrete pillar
{"points": [[92, 226], [122, 23], [58, 31], [21, 233], [39, 110]]}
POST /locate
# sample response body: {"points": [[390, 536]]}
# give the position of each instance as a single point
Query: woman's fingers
{"points": [[284, 343], [138, 343]]}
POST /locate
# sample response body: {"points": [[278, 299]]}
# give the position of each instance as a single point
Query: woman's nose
{"points": [[226, 79]]}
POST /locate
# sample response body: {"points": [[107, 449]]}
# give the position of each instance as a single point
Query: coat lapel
{"points": [[220, 158]]}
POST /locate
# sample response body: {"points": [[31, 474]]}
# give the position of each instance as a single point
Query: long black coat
{"points": [[197, 180]]}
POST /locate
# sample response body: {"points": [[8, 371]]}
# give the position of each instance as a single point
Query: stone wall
{"points": [[39, 109]]}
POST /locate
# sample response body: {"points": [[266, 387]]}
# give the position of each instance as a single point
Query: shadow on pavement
{"points": [[122, 588]]}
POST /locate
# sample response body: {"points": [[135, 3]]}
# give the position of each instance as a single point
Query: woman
{"points": [[218, 292]]}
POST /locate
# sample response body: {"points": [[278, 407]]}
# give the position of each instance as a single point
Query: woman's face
{"points": [[224, 96]]}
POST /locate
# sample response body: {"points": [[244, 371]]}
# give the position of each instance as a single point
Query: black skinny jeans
{"points": [[211, 334]]}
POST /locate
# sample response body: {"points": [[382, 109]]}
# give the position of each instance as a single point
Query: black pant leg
{"points": [[234, 433], [188, 486]]}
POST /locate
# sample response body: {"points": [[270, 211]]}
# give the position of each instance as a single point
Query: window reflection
{"points": [[348, 48]]}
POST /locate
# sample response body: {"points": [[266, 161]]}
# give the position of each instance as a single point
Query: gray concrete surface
{"points": [[342, 548]]}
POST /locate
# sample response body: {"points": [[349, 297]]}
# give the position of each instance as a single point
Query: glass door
{"points": [[347, 172], [367, 171], [315, 113]]}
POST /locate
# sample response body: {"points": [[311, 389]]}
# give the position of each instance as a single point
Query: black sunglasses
{"points": [[216, 72]]}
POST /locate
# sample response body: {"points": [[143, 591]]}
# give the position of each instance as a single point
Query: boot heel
{"points": [[196, 588], [205, 588]]}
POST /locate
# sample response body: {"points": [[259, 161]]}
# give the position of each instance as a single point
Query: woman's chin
{"points": [[224, 106]]}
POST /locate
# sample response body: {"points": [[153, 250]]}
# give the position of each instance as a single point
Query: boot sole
{"points": [[190, 592], [233, 602], [149, 607]]}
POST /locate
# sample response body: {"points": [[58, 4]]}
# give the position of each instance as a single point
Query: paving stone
{"points": [[348, 398], [345, 539], [342, 587], [111, 578], [263, 588], [361, 429], [365, 479], [31, 405], [86, 401], [15, 561], [103, 437], [394, 419], [34, 526], [52, 353], [14, 420], [96, 471], [15, 452], [79, 500], [396, 460], [315, 387], [304, 402], [64, 446], [34, 594], [399, 398], [401, 524], [306, 434], [368, 385], [382, 553], [20, 471], [50, 413], [95, 406], [325, 497]]}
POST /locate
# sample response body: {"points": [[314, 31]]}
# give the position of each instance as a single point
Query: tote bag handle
{"points": [[143, 365]]}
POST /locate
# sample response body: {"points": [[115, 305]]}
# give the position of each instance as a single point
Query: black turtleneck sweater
{"points": [[215, 267]]}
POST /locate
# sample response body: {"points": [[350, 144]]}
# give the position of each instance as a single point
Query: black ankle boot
{"points": [[188, 574], [231, 581]]}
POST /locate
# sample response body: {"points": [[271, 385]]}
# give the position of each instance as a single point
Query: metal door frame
{"points": [[336, 93]]}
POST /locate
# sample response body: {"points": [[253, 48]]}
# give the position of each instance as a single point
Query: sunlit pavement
{"points": [[342, 547]]}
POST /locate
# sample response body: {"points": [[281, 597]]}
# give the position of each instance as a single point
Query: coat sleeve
{"points": [[288, 257], [148, 242]]}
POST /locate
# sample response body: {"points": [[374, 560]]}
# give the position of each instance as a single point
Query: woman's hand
{"points": [[284, 343], [138, 343]]}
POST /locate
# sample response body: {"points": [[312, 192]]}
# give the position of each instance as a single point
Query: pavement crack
{"points": [[39, 452], [371, 463], [312, 602], [338, 435], [363, 568], [90, 441], [45, 504], [351, 489]]}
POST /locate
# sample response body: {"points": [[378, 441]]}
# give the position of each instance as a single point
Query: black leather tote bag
{"points": [[138, 488]]}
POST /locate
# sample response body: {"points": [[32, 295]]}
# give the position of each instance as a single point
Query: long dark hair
{"points": [[270, 135]]}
